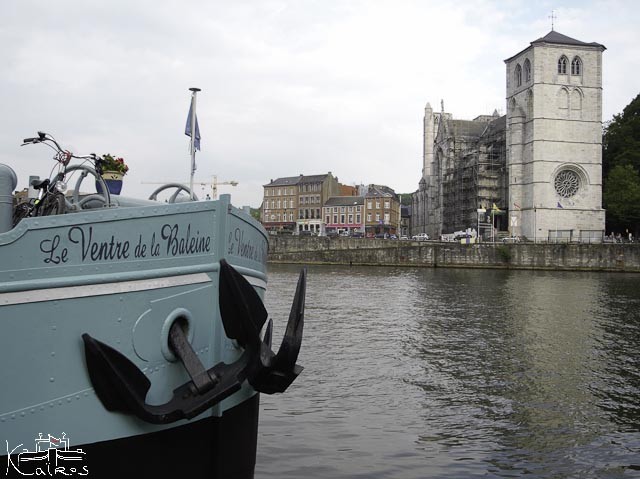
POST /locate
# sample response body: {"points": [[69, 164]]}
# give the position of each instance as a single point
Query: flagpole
{"points": [[194, 92]]}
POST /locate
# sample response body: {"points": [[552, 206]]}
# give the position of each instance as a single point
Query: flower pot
{"points": [[113, 180]]}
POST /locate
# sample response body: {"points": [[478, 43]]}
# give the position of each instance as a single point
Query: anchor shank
{"points": [[183, 350]]}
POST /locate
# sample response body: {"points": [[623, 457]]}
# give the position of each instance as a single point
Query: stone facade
{"points": [[541, 164]]}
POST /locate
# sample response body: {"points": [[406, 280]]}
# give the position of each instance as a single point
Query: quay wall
{"points": [[623, 257]]}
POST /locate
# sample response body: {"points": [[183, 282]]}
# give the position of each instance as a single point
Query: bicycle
{"points": [[51, 198]]}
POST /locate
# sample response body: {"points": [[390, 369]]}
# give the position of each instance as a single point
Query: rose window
{"points": [[567, 183]]}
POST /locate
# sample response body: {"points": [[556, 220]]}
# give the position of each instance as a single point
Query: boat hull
{"points": [[124, 276]]}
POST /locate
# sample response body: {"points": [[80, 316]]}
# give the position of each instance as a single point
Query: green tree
{"points": [[622, 196], [620, 169]]}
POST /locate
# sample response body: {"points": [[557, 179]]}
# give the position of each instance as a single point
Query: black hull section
{"points": [[213, 448]]}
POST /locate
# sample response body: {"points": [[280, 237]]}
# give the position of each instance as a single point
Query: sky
{"points": [[288, 87]]}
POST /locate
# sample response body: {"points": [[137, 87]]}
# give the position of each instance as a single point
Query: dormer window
{"points": [[576, 66], [562, 65], [527, 70], [518, 75]]}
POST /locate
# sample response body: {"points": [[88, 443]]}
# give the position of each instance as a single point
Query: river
{"points": [[456, 373]]}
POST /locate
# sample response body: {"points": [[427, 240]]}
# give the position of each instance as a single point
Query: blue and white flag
{"points": [[187, 129], [559, 205]]}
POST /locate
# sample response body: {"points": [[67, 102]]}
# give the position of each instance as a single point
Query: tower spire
{"points": [[552, 17]]}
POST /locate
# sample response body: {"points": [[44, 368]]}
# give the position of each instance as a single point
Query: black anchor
{"points": [[122, 387]]}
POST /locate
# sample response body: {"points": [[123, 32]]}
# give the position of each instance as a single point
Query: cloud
{"points": [[288, 87]]}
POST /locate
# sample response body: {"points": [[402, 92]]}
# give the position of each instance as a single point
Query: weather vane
{"points": [[552, 17]]}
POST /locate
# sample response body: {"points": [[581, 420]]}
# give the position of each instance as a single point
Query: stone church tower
{"points": [[554, 140]]}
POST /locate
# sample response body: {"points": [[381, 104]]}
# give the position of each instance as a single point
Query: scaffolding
{"points": [[474, 172]]}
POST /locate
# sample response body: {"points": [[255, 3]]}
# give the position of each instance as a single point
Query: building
{"points": [[554, 140], [280, 205], [294, 204], [537, 170], [344, 214], [382, 210], [464, 170]]}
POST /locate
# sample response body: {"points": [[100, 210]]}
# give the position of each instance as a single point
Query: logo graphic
{"points": [[52, 457]]}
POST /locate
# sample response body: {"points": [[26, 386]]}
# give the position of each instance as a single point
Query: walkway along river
{"points": [[415, 373], [563, 256]]}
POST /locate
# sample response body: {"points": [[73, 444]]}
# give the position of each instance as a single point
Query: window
{"points": [[576, 104], [576, 66], [377, 204], [291, 203], [350, 219], [335, 218], [518, 75], [527, 70], [358, 218], [369, 204], [567, 183], [327, 219], [369, 217], [563, 102], [378, 217], [342, 209], [386, 204], [278, 203], [562, 65], [290, 216], [386, 217], [342, 219]]}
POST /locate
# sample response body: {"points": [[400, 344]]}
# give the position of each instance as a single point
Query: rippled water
{"points": [[451, 373]]}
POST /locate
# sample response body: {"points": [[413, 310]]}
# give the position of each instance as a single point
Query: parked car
{"points": [[357, 234], [511, 239], [393, 237], [420, 237], [306, 233], [404, 237], [344, 233], [382, 235], [332, 234]]}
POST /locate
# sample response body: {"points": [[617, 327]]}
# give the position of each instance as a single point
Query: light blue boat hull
{"points": [[122, 275]]}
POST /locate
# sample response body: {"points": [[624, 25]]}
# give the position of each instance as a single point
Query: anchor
{"points": [[122, 386]]}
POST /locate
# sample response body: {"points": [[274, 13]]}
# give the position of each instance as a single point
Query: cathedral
{"points": [[535, 172]]}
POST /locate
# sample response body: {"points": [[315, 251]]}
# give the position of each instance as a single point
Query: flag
{"points": [[559, 205], [187, 129], [495, 208]]}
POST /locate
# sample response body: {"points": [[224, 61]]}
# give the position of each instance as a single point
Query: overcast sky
{"points": [[288, 87]]}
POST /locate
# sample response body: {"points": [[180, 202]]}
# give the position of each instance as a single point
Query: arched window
{"points": [[562, 65], [529, 104], [576, 104], [527, 70], [576, 66], [518, 75], [563, 102]]}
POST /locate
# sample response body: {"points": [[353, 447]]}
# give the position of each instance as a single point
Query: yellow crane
{"points": [[214, 183]]}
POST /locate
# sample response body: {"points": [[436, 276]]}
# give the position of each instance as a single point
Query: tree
{"points": [[622, 197], [621, 167]]}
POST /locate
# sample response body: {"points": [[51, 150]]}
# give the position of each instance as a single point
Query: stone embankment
{"points": [[352, 251]]}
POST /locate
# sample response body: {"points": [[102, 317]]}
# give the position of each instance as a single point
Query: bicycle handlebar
{"points": [[46, 138]]}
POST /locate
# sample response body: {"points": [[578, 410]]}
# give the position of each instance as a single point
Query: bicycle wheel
{"points": [[53, 204], [21, 211]]}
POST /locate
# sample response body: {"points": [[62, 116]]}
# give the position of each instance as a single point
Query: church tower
{"points": [[554, 140]]}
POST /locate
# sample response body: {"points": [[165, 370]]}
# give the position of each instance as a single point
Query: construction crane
{"points": [[214, 183]]}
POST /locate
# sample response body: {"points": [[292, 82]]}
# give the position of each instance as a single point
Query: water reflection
{"points": [[416, 373]]}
